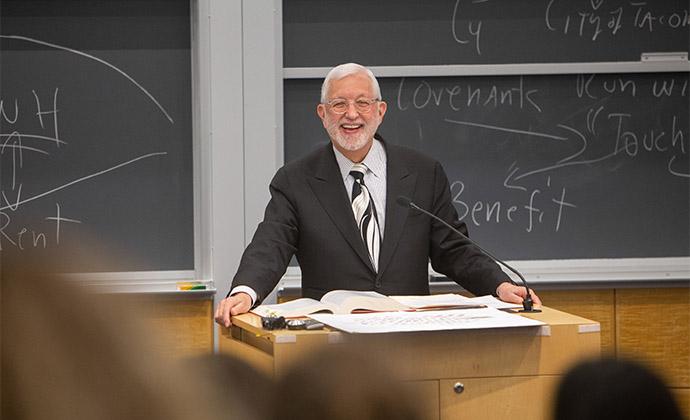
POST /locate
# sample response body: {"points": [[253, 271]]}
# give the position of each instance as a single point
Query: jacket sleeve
{"points": [[274, 243]]}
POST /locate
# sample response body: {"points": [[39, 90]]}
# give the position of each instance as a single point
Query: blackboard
{"points": [[96, 124], [323, 33], [543, 167]]}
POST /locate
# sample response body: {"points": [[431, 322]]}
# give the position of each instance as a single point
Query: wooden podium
{"points": [[471, 374]]}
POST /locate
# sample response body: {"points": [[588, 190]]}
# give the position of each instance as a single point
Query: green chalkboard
{"points": [[96, 124]]}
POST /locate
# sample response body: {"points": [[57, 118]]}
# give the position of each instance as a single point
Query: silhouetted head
{"points": [[611, 389]]}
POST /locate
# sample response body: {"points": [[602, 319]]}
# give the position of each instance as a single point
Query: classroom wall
{"points": [[649, 324], [240, 85]]}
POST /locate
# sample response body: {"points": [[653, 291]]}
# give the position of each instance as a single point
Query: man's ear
{"points": [[321, 111], [382, 108]]}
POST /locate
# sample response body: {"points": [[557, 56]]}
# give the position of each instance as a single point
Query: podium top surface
{"points": [[251, 323]]}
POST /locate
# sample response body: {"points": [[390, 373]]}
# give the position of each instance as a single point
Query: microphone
{"points": [[527, 303]]}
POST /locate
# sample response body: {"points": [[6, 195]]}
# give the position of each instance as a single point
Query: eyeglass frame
{"points": [[370, 102]]}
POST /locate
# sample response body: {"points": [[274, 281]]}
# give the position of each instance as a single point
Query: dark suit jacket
{"points": [[310, 215]]}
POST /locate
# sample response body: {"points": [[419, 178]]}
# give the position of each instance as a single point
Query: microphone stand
{"points": [[527, 303]]}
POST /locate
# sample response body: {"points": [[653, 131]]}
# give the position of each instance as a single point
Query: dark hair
{"points": [[613, 389]]}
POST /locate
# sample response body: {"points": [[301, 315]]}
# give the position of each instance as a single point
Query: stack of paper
{"points": [[459, 319]]}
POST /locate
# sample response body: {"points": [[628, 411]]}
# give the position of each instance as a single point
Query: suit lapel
{"points": [[327, 184], [400, 181]]}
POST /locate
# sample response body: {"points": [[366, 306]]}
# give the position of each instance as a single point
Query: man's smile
{"points": [[351, 128]]}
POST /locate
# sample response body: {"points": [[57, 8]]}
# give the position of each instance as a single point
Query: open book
{"points": [[350, 302]]}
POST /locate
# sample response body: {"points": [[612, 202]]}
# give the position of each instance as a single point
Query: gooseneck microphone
{"points": [[527, 303]]}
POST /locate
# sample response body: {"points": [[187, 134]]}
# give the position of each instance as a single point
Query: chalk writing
{"points": [[31, 132], [603, 130], [23, 237], [590, 20], [92, 57], [529, 208], [473, 29], [459, 97], [12, 197]]}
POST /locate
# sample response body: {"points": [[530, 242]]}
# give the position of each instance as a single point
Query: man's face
{"points": [[352, 130]]}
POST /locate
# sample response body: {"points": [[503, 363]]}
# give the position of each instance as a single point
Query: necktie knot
{"points": [[357, 171]]}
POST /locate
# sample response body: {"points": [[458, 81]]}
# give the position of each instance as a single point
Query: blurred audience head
{"points": [[341, 384], [612, 389], [68, 354]]}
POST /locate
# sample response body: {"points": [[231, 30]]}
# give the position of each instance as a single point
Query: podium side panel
{"points": [[528, 397], [597, 305], [565, 346], [450, 354], [252, 355], [426, 397]]}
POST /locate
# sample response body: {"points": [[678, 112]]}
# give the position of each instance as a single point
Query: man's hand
{"points": [[236, 304], [511, 293]]}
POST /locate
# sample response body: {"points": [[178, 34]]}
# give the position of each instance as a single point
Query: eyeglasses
{"points": [[340, 106]]}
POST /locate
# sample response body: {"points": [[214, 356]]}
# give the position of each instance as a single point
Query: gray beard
{"points": [[352, 143]]}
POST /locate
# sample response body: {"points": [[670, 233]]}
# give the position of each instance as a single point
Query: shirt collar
{"points": [[375, 160]]}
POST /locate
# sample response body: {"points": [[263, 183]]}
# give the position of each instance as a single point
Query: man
{"points": [[336, 210]]}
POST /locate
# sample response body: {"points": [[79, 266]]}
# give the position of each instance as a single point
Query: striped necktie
{"points": [[365, 214]]}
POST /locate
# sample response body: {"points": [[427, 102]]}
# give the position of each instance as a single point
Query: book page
{"points": [[294, 308], [349, 301], [448, 300]]}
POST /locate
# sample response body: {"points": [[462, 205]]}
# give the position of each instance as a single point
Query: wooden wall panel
{"points": [[654, 326], [185, 326], [651, 325], [597, 305]]}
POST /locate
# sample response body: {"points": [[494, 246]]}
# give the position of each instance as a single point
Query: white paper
{"points": [[448, 299], [454, 299], [493, 302], [460, 319]]}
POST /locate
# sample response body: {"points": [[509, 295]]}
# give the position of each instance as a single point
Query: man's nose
{"points": [[351, 111]]}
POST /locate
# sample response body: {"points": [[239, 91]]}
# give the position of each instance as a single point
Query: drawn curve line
{"points": [[509, 130], [83, 54], [452, 27], [579, 152], [34, 136], [594, 118], [84, 178], [15, 146], [670, 162], [563, 165]]}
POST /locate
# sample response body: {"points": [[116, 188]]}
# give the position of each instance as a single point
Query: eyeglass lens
{"points": [[339, 106]]}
